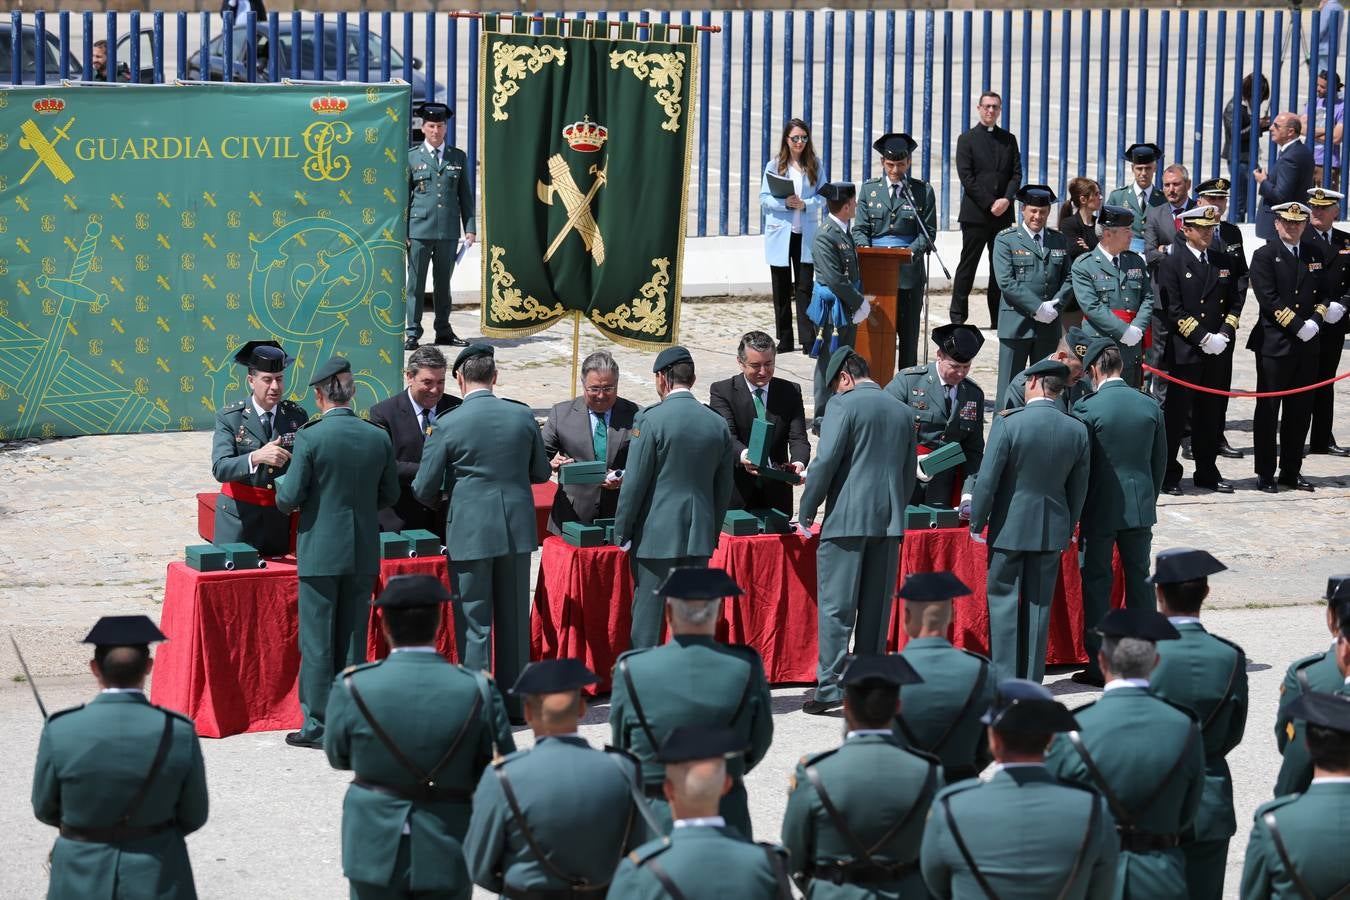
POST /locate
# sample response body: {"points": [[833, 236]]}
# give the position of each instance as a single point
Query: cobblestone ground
{"points": [[87, 526]]}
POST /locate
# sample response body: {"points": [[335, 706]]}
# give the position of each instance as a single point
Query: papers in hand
{"points": [[780, 187]]}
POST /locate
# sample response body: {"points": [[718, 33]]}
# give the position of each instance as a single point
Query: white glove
{"points": [[920, 474], [1213, 344], [625, 546], [1131, 336], [1308, 331], [977, 537], [861, 315], [964, 509], [801, 529], [1047, 312], [1335, 312]]}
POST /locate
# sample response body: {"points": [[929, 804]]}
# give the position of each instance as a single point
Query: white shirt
{"points": [[861, 732], [1106, 256], [1125, 682], [122, 691], [1108, 380], [252, 466], [417, 409], [764, 397], [1143, 194], [840, 222], [676, 390], [419, 649], [1332, 779], [435, 150], [999, 767], [1039, 400], [1034, 234], [1183, 620], [477, 391], [797, 176], [603, 417], [1199, 254], [705, 822]]}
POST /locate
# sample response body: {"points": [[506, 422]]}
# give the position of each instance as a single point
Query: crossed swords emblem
{"points": [[33, 139], [578, 205]]}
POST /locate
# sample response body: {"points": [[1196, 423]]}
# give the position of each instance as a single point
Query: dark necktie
{"points": [[760, 412], [1037, 238], [1115, 261], [267, 426], [895, 192], [1295, 252], [1204, 259], [426, 422]]}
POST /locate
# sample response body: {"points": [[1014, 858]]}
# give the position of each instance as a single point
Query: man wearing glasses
{"points": [[757, 394], [593, 426]]}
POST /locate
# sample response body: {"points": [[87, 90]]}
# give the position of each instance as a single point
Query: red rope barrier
{"points": [[1253, 394]]}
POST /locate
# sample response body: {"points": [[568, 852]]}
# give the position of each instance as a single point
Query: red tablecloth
{"points": [[206, 518], [232, 656], [543, 505], [583, 606]]}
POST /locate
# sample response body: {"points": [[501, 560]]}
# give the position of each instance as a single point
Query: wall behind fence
{"points": [[1078, 85]]}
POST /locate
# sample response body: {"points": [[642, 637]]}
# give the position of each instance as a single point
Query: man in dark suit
{"points": [[1161, 223], [1287, 279], [586, 428], [409, 416], [1290, 174], [990, 168], [1335, 245], [756, 394]]}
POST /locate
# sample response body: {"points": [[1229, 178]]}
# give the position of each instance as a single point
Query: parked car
{"points": [[28, 44]]}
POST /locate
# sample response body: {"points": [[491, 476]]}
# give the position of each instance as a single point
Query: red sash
{"points": [[247, 493], [1127, 316]]}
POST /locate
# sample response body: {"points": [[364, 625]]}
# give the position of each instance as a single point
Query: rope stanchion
{"points": [[1245, 394]]}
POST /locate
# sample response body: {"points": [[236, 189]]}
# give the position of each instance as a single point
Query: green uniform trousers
{"points": [[848, 336], [1015, 354], [492, 617], [440, 256], [1206, 864], [649, 609], [1135, 545], [334, 611], [855, 579], [398, 888], [908, 315], [1021, 588]]}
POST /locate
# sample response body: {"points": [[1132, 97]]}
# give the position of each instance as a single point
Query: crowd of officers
{"points": [[1126, 797]]}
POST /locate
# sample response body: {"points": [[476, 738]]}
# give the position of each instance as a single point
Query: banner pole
{"points": [[576, 350]]}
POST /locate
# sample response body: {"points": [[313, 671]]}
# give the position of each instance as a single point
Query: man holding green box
{"points": [[677, 488], [864, 474]]}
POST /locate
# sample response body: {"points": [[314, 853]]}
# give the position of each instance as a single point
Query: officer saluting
{"points": [[942, 713], [123, 780], [692, 680], [416, 730], [977, 843], [1143, 753], [1297, 845], [1112, 287], [703, 858], [555, 820], [845, 827], [250, 449]]}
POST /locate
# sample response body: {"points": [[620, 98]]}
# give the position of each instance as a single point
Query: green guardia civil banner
{"points": [[585, 164], [147, 232]]}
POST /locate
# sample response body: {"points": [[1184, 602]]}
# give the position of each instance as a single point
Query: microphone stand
{"points": [[932, 248]]}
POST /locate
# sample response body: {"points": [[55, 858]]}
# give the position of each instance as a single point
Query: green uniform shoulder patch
{"points": [[952, 790], [62, 712], [648, 851], [233, 407], [914, 370]]}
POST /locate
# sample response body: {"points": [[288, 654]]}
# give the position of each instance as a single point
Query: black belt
{"points": [[115, 834], [1143, 842], [418, 793], [590, 890], [860, 874]]}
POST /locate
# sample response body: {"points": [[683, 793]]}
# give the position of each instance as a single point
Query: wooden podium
{"points": [[880, 269]]}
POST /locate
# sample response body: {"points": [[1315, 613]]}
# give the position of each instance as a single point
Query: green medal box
{"points": [[579, 534], [948, 456], [739, 523], [772, 521], [394, 545], [422, 542], [582, 472], [608, 525], [242, 556], [206, 558], [757, 452], [922, 518]]}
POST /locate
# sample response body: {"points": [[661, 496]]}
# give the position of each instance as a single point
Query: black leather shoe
{"points": [[1331, 449], [1186, 449], [296, 739], [815, 707], [410, 344], [785, 347], [1267, 485], [1226, 450], [1173, 490], [1087, 678], [1299, 484], [451, 341], [1219, 487]]}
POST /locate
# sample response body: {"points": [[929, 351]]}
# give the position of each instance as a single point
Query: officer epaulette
{"points": [[967, 784], [980, 656], [1011, 229], [288, 403], [503, 760], [314, 421], [914, 370], [1234, 645], [1190, 713], [1272, 805], [746, 651], [1009, 412], [649, 851], [62, 712], [357, 667], [634, 652], [876, 180], [517, 402], [182, 717], [1085, 788], [233, 407], [811, 759], [627, 754], [1299, 665]]}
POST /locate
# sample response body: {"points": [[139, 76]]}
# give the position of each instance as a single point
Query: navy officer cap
{"points": [[1183, 564], [1140, 154], [671, 356], [1141, 624], [435, 112], [1116, 217], [1094, 349], [959, 341], [553, 676], [931, 587], [698, 583], [408, 591], [472, 351], [1215, 187], [879, 669], [1338, 588], [264, 356], [895, 146], [1327, 710], [1035, 195], [1021, 705], [123, 631], [694, 742], [336, 365], [1048, 367], [837, 191]]}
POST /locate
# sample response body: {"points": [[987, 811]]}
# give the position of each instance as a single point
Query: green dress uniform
{"points": [[1296, 768], [1113, 297], [246, 510], [1030, 492], [416, 731], [1317, 672], [440, 199], [1147, 758], [692, 680], [1016, 394], [941, 716], [1029, 272], [1128, 444], [568, 801], [1128, 195], [939, 421], [1005, 827], [886, 217], [703, 862], [1312, 828], [836, 268], [676, 491], [485, 457], [852, 835], [864, 473], [94, 770], [1207, 675], [342, 472]]}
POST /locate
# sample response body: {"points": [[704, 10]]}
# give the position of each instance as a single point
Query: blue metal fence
{"points": [[1162, 76]]}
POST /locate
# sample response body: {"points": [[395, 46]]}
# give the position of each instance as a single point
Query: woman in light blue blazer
{"points": [[789, 228]]}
